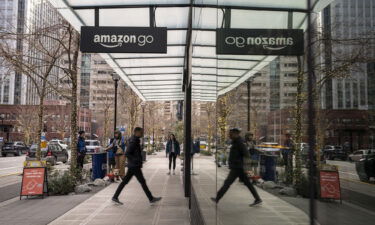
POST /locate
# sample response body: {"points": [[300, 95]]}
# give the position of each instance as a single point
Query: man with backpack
{"points": [[238, 152]]}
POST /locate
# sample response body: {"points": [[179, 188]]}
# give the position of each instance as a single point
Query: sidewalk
{"points": [[234, 208], [173, 209]]}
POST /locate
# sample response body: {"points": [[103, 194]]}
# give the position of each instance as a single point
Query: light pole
{"points": [[143, 105], [249, 82], [116, 79]]}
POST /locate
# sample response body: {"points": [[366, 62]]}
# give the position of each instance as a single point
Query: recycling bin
{"points": [[99, 165], [268, 167]]}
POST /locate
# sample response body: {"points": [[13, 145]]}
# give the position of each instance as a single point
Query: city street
{"points": [[10, 175], [346, 169], [11, 166]]}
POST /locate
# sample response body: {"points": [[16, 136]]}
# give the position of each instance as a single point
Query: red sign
{"points": [[33, 181], [330, 185]]}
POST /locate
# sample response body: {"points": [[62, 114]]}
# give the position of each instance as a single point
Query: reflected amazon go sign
{"points": [[124, 39], [259, 42]]}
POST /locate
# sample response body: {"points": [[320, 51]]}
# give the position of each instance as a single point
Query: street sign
{"points": [[34, 181], [123, 39], [259, 41], [330, 185]]}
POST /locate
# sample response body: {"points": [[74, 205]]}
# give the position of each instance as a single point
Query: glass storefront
{"points": [[278, 99]]}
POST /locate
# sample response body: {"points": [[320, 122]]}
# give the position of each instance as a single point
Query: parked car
{"points": [[16, 148], [365, 167], [59, 142], [360, 154], [333, 152], [93, 146], [52, 154]]}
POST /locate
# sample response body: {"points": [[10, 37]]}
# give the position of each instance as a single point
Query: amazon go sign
{"points": [[259, 42], [124, 39]]}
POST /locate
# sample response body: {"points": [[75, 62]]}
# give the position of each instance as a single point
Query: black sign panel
{"points": [[259, 42], [124, 39]]}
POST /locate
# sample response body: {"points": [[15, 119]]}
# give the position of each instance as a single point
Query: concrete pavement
{"points": [[234, 208], [173, 209]]}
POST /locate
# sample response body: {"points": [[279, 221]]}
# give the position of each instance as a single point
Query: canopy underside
{"points": [[157, 77]]}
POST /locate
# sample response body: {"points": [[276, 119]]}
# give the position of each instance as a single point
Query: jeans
{"points": [[137, 172], [172, 157], [80, 160], [232, 176]]}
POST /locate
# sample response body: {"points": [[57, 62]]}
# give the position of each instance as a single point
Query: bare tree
{"points": [[27, 120], [37, 63], [131, 105], [210, 109]]}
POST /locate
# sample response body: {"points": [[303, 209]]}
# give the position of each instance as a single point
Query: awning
{"points": [[160, 76]]}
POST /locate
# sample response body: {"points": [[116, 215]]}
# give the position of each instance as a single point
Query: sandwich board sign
{"points": [[34, 181]]}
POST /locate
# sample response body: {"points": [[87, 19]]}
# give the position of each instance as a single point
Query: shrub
{"points": [[304, 188], [61, 183], [205, 152]]}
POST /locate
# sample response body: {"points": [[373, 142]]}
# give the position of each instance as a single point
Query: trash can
{"points": [[268, 167], [366, 168], [99, 165]]}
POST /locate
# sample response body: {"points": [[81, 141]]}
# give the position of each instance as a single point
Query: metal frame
{"points": [[77, 7]]}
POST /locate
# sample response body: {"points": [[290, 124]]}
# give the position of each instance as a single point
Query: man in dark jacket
{"points": [[81, 149], [134, 156], [237, 153]]}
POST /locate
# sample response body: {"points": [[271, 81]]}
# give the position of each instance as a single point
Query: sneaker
{"points": [[174, 173], [169, 173], [155, 199], [256, 202], [214, 199], [115, 200]]}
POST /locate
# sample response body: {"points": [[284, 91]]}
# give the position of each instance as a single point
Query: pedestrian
{"points": [[237, 153], [254, 155], [134, 155], [287, 153], [116, 155], [81, 149], [172, 150]]}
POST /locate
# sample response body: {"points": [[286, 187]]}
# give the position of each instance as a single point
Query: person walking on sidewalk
{"points": [[237, 153], [81, 149], [134, 156], [172, 150]]}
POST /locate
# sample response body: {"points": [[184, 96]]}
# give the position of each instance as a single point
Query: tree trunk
{"points": [[40, 124], [73, 111], [298, 134]]}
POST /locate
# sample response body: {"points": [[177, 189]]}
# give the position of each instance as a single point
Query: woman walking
{"points": [[172, 150]]}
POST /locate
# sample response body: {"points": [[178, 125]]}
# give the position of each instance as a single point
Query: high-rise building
{"points": [[26, 16], [348, 20], [12, 14]]}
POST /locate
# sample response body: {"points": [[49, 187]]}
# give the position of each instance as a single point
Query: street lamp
{"points": [[143, 105], [248, 82], [115, 78]]}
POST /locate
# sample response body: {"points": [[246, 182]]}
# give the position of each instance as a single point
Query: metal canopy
{"points": [[160, 76]]}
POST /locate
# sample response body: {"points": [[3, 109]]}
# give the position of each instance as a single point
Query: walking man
{"points": [[134, 156], [237, 153]]}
